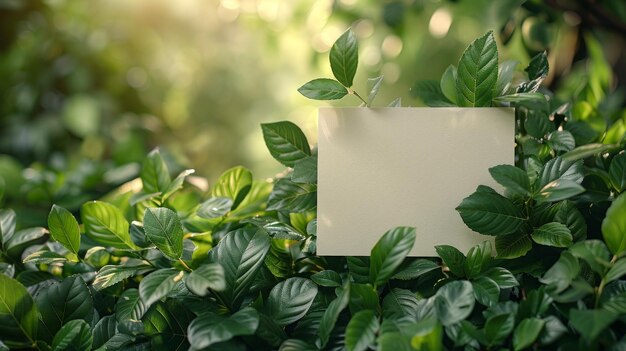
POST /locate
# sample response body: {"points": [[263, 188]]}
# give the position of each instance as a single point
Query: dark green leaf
{"points": [[18, 312], [323, 89], [363, 297], [568, 214], [359, 269], [399, 303], [361, 330], [22, 239], [234, 183], [502, 277], [394, 342], [167, 323], [64, 228], [617, 172], [560, 189], [585, 151], [305, 170], [103, 331], [327, 277], [527, 332], [499, 327], [478, 73], [7, 226], [210, 328], [505, 76], [292, 197], [448, 83], [594, 252], [538, 66], [561, 274], [617, 271], [373, 85], [286, 142], [590, 323], [453, 258], [559, 168], [158, 284], [561, 140], [513, 245], [154, 173], [415, 269], [490, 214], [389, 252], [215, 207], [290, 300], [163, 229], [296, 345], [429, 91], [513, 179], [112, 274], [344, 58], [553, 234], [130, 306], [478, 258], [614, 226], [106, 224], [486, 291], [75, 335], [329, 319], [454, 302], [553, 329], [207, 276]]}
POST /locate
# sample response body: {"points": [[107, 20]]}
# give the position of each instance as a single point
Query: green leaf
{"points": [[553, 234], [103, 331], [561, 274], [106, 224], [397, 102], [130, 306], [477, 73], [163, 229], [486, 291], [617, 172], [177, 183], [552, 330], [478, 258], [585, 151], [561, 140], [373, 85], [235, 184], [559, 168], [292, 197], [389, 252], [538, 66], [527, 332], [454, 302], [329, 319], [112, 274], [323, 89], [617, 271], [167, 323], [7, 226], [22, 239], [290, 300], [344, 58], [503, 277], [158, 284], [499, 327], [513, 245], [327, 278], [363, 297], [590, 323], [429, 91], [44, 257], [305, 171], [361, 330], [490, 214], [505, 76], [614, 226], [400, 303], [154, 173], [513, 179], [75, 335], [296, 345], [2, 190], [394, 342], [560, 189], [453, 258], [524, 99], [215, 207], [568, 214], [241, 253], [64, 228], [18, 312], [415, 269], [286, 142], [594, 252], [210, 328], [448, 83], [64, 301], [207, 276]]}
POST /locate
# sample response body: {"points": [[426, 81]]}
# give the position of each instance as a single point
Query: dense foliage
{"points": [[160, 263]]}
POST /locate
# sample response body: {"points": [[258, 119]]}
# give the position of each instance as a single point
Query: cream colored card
{"points": [[385, 167]]}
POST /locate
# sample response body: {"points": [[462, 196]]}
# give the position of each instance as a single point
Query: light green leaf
{"points": [[415, 269], [75, 335], [561, 140], [106, 224], [344, 58], [617, 271], [448, 83], [327, 278], [292, 197], [18, 312], [389, 252], [361, 330], [207, 276], [329, 319], [560, 189], [64, 228], [215, 207], [290, 300], [323, 89], [503, 277], [486, 291], [397, 102], [44, 257], [158, 284], [163, 229], [477, 73], [454, 302], [513, 179], [617, 172], [210, 328], [553, 234], [2, 190], [177, 183], [590, 323], [373, 85], [154, 173], [478, 258], [513, 245], [505, 75], [585, 151], [234, 183], [490, 214], [527, 332], [614, 226]]}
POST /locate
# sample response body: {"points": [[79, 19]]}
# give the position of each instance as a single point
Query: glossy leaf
{"points": [[505, 75], [7, 226], [18, 312], [499, 327], [235, 183], [23, 239], [373, 85], [305, 170], [112, 274], [448, 83], [154, 173], [527, 332], [158, 284], [327, 278], [44, 257], [329, 319], [513, 179], [177, 183], [323, 89], [429, 91], [490, 214], [215, 207], [590, 323], [290, 300], [64, 228], [106, 224], [209, 276], [344, 58], [477, 73], [454, 302], [478, 258], [568, 214], [210, 328], [513, 245], [415, 269], [130, 306], [503, 277], [617, 172], [553, 234], [453, 258], [292, 197], [559, 168], [167, 324], [400, 303], [389, 252], [361, 330], [560, 189], [561, 140], [486, 291], [614, 226], [163, 229], [585, 151], [75, 335]]}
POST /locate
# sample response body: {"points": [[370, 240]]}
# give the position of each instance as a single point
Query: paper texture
{"points": [[385, 167]]}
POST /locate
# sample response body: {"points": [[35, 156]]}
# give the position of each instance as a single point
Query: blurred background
{"points": [[89, 87]]}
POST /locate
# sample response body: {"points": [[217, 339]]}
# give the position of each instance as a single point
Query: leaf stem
{"points": [[603, 284], [184, 265], [360, 98]]}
